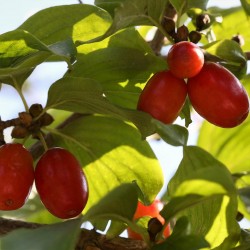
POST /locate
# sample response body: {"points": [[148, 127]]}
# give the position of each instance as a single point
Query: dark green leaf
{"points": [[246, 6], [181, 239], [61, 236], [77, 21], [64, 49], [231, 54], [185, 113], [173, 134], [118, 205], [109, 5], [111, 153]]}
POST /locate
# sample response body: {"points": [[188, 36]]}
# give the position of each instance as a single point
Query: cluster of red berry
{"points": [[58, 176], [214, 92]]}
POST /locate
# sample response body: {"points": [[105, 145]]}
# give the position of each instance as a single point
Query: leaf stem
{"points": [[41, 137], [19, 90]]}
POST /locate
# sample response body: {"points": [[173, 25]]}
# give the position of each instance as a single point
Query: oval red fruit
{"points": [[163, 97], [218, 96], [185, 59], [153, 210], [16, 175], [61, 183]]}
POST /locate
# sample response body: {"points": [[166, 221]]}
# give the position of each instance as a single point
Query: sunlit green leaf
{"points": [[133, 13], [111, 153], [21, 52], [57, 236], [197, 173], [85, 96], [230, 146], [78, 21], [234, 22], [122, 68]]}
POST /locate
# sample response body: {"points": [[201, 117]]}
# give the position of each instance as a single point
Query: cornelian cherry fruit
{"points": [[163, 97], [153, 210], [61, 183], [16, 174], [218, 96], [185, 59]]}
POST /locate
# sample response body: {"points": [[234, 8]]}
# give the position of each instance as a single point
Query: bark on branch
{"points": [[88, 239]]}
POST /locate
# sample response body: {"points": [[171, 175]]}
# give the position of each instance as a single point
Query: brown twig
{"points": [[88, 239], [158, 40]]}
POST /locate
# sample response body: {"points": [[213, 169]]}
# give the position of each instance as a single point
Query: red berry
{"points": [[163, 97], [218, 96], [61, 183], [153, 211], [16, 175], [185, 59]]}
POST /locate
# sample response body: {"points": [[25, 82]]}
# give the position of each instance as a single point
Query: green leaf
{"points": [[181, 239], [20, 52], [185, 113], [178, 204], [182, 6], [201, 175], [231, 54], [85, 96], [173, 134], [109, 5], [134, 13], [118, 205], [64, 49], [61, 236], [123, 67], [230, 146], [244, 241], [246, 6], [111, 153], [77, 21], [234, 22]]}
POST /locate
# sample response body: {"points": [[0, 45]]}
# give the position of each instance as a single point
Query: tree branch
{"points": [[88, 239], [158, 40]]}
